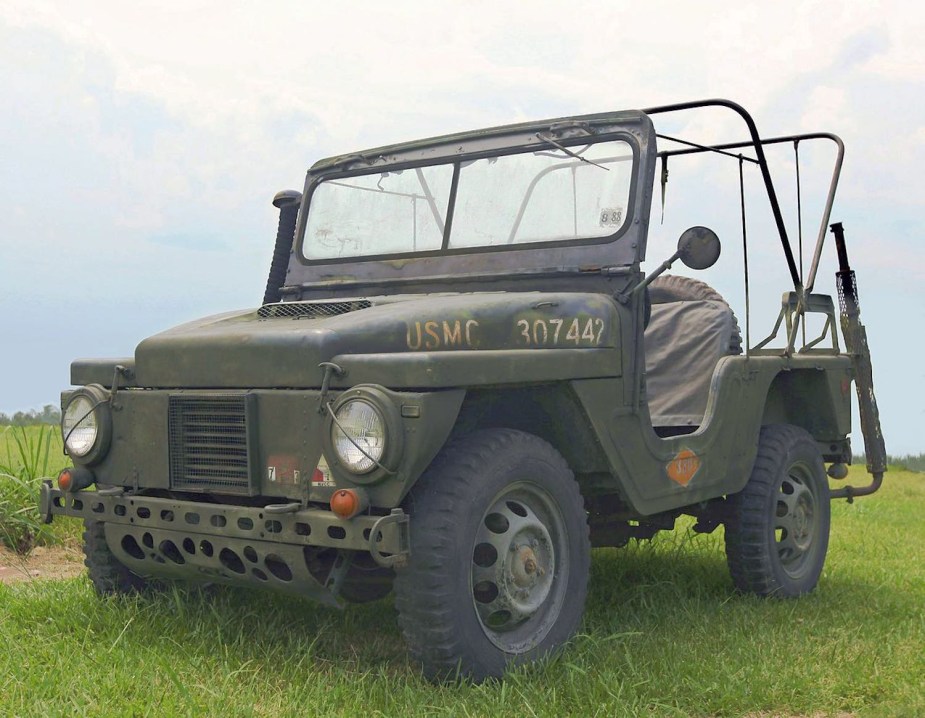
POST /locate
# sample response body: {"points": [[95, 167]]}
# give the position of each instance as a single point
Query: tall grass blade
{"points": [[28, 461]]}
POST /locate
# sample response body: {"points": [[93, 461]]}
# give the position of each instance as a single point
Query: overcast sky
{"points": [[141, 143]]}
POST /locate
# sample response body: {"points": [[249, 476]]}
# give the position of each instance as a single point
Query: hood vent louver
{"points": [[310, 310]]}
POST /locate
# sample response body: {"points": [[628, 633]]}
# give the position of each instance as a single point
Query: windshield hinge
{"points": [[357, 157], [606, 271]]}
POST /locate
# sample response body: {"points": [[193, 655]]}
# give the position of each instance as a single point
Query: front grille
{"points": [[310, 310], [209, 447]]}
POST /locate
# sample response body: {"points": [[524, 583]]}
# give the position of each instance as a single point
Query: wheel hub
{"points": [[803, 524], [524, 577], [524, 567]]}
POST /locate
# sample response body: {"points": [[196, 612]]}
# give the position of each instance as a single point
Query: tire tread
{"points": [[108, 575]]}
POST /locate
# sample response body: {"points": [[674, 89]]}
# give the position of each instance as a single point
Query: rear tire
{"points": [[108, 574], [499, 559], [777, 533]]}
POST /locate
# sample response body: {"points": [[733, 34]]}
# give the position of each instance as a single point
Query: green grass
{"points": [[27, 456], [663, 635]]}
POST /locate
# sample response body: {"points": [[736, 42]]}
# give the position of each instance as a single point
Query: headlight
{"points": [[86, 424], [79, 427], [358, 435]]}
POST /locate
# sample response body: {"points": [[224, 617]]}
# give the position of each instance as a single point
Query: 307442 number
{"points": [[561, 332]]}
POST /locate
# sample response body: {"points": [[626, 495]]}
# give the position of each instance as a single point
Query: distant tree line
{"points": [[905, 462], [50, 414]]}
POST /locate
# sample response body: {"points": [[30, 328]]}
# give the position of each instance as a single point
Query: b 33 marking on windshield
{"points": [[561, 332]]}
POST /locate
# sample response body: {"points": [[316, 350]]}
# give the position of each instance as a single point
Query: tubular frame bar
{"points": [[757, 144], [833, 184]]}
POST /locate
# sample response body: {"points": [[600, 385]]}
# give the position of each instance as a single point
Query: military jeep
{"points": [[460, 380]]}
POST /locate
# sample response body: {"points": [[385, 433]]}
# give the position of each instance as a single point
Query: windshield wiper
{"points": [[566, 150]]}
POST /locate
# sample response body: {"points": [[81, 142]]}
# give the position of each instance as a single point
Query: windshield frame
{"points": [[315, 179]]}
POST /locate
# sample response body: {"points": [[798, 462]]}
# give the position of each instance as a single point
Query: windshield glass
{"points": [[551, 195], [384, 213]]}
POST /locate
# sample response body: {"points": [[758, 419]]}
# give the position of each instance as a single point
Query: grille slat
{"points": [[209, 443], [220, 460], [310, 310], [206, 440], [214, 448], [215, 469]]}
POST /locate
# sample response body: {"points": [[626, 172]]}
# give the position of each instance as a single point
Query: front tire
{"points": [[366, 581], [499, 559], [777, 533], [108, 575]]}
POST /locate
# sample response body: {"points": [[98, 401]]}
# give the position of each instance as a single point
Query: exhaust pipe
{"points": [[287, 202]]}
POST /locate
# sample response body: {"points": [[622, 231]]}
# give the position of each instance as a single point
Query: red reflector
{"points": [[317, 477]]}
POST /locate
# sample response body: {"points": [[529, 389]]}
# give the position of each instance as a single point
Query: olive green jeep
{"points": [[460, 380]]}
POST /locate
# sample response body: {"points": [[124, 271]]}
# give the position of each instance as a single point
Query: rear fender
{"points": [[818, 401]]}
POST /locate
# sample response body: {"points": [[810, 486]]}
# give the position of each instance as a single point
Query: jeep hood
{"points": [[256, 349]]}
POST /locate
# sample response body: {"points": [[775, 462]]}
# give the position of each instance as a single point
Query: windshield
{"points": [[551, 195]]}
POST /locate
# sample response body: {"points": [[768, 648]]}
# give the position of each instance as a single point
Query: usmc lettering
{"points": [[445, 334]]}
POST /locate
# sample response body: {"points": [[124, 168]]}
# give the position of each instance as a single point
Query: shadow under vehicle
{"points": [[460, 380]]}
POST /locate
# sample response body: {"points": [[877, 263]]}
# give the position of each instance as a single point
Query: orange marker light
{"points": [[65, 480], [75, 478], [345, 503]]}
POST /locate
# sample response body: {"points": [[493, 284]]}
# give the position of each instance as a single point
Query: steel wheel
{"points": [[515, 587], [796, 520], [499, 556]]}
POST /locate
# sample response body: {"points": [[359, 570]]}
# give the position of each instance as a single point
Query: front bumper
{"points": [[264, 546]]}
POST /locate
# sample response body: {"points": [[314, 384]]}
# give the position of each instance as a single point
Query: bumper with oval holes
{"points": [[267, 545]]}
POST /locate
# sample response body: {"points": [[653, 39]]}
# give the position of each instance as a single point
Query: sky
{"points": [[141, 144]]}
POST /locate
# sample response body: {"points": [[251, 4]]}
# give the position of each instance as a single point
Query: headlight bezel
{"points": [[388, 413], [98, 398]]}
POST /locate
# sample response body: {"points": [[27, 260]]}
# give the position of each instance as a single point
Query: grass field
{"points": [[663, 635], [27, 455]]}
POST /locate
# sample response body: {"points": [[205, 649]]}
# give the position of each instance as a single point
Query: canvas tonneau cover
{"points": [[684, 341]]}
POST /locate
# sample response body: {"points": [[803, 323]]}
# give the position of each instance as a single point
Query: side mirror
{"points": [[698, 247]]}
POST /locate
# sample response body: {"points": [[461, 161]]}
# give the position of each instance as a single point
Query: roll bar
{"points": [[758, 145]]}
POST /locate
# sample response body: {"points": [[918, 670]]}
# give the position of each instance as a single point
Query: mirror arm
{"points": [[662, 268], [698, 247], [625, 296]]}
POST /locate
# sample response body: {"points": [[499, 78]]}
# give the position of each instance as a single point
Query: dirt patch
{"points": [[44, 562]]}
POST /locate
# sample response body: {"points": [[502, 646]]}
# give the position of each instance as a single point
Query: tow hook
{"points": [[395, 560]]}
